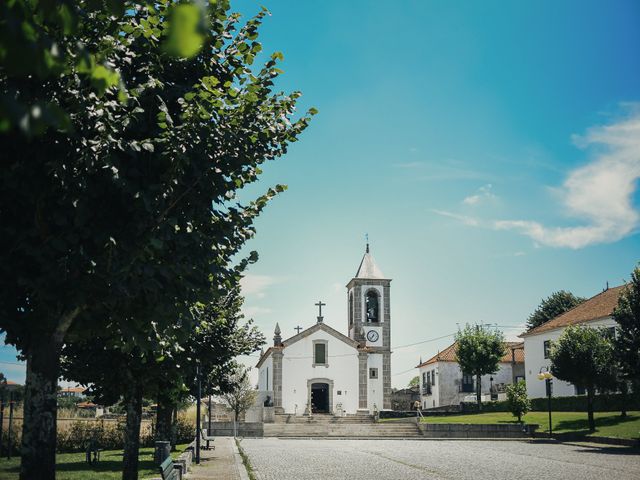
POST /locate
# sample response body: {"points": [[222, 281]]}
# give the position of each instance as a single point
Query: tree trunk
{"points": [[174, 426], [38, 450], [133, 401], [164, 419], [590, 394], [479, 391], [624, 391]]}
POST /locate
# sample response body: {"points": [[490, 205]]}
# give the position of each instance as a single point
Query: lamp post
{"points": [[198, 426], [545, 375]]}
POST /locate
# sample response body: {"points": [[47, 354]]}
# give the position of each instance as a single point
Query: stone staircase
{"points": [[339, 427]]}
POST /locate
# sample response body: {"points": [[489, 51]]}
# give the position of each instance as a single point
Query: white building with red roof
{"points": [[443, 383], [594, 312]]}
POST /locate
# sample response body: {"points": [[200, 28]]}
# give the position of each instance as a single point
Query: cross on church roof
{"points": [[297, 329], [320, 305]]}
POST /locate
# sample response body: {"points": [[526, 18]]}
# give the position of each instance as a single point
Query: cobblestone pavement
{"points": [[294, 459]]}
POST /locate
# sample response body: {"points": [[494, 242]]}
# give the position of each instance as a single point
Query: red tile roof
{"points": [[598, 306], [449, 354]]}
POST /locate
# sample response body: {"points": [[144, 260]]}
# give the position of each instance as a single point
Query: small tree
{"points": [[479, 350], [584, 356], [241, 396], [414, 382], [555, 304], [627, 342], [517, 400]]}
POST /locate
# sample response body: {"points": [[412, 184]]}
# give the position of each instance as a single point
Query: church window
{"points": [[428, 378], [547, 348], [351, 309], [319, 352], [433, 377], [373, 306], [373, 373]]}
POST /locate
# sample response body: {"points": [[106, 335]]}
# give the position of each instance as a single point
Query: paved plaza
{"points": [[298, 459]]}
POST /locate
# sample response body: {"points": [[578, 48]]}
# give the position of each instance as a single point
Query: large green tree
{"points": [[627, 342], [118, 223], [584, 356], [479, 349], [555, 304]]}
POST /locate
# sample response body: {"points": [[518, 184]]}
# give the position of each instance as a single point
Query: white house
{"points": [[595, 312], [324, 371], [442, 382]]}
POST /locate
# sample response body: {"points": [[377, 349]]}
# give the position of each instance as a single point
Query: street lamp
{"points": [[545, 374]]}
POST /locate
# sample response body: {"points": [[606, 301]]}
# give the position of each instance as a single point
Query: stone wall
{"points": [[461, 430], [244, 429]]}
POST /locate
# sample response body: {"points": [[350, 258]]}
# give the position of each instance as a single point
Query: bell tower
{"points": [[369, 323]]}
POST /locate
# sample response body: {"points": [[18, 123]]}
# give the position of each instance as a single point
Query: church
{"points": [[321, 370]]}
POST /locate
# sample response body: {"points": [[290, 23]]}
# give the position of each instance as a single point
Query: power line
{"points": [[423, 341]]}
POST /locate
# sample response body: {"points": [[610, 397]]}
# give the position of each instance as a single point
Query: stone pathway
{"points": [[325, 459], [223, 463]]}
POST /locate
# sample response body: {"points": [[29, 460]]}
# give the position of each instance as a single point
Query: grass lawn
{"points": [[72, 466], [608, 424]]}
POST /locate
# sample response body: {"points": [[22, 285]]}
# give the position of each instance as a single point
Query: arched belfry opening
{"points": [[350, 308], [372, 305]]}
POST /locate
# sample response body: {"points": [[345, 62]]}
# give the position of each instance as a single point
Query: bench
{"points": [[207, 439], [168, 471], [92, 452]]}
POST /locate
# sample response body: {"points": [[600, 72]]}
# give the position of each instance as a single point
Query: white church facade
{"points": [[321, 370]]}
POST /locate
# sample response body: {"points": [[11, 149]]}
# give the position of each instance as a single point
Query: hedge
{"points": [[601, 403]]}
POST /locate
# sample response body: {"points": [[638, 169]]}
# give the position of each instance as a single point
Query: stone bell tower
{"points": [[369, 323]]}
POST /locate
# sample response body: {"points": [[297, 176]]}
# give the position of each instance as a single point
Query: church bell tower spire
{"points": [[369, 322]]}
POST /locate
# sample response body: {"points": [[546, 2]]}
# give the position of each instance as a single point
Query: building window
{"points": [[424, 378], [467, 383], [373, 306], [319, 352], [547, 348], [580, 390], [373, 373], [428, 378], [433, 377], [267, 378]]}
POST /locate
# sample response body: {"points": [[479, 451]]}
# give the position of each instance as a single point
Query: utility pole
{"points": [[198, 427]]}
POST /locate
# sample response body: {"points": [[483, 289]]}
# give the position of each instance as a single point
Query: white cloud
{"points": [[409, 165], [470, 221], [483, 193], [599, 193], [256, 284]]}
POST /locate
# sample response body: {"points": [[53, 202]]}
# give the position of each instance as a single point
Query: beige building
{"points": [[442, 382]]}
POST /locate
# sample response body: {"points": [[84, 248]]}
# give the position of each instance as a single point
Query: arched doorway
{"points": [[320, 398], [320, 395]]}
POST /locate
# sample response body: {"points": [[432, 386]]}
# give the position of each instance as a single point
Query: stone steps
{"points": [[404, 430], [322, 419]]}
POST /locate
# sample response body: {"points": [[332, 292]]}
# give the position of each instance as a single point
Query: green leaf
{"points": [[185, 37]]}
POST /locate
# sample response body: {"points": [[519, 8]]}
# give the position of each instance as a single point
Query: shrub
{"points": [[517, 401]]}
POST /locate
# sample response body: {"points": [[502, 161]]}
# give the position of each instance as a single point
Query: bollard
{"points": [[162, 451]]}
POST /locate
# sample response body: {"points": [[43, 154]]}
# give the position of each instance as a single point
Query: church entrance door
{"points": [[320, 398]]}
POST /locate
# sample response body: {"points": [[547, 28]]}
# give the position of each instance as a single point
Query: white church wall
{"points": [[297, 369], [534, 360], [374, 386]]}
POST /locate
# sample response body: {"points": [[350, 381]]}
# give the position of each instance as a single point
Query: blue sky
{"points": [[490, 149]]}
